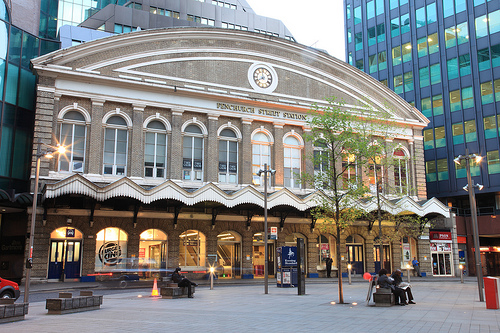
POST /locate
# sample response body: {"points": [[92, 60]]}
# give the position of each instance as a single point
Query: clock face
{"points": [[262, 77]]}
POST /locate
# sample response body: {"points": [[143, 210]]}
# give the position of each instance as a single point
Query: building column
{"points": [[308, 156], [245, 156], [278, 156], [96, 138], [175, 158], [212, 153], [419, 179], [137, 151]]}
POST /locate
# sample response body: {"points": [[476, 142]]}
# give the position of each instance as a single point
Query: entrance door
{"points": [[441, 264], [387, 258], [64, 261], [355, 258]]}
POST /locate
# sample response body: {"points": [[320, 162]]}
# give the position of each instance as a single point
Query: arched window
{"points": [[155, 150], [153, 249], [229, 254], [110, 248], [400, 171], [350, 167], [321, 163], [292, 155], [261, 154], [192, 249], [228, 157], [115, 147], [376, 175], [328, 247], [73, 135], [192, 156]]}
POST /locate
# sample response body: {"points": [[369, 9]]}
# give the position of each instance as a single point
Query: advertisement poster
{"points": [[406, 252], [287, 278]]}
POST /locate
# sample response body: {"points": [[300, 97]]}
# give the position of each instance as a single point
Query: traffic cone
{"points": [[154, 292]]}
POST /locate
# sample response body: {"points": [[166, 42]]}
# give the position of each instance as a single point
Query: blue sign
{"points": [[289, 256]]}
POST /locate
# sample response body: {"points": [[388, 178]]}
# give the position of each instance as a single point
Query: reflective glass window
{"points": [[420, 17], [439, 137], [490, 127], [448, 9], [435, 73], [483, 59], [493, 159], [357, 15], [487, 92], [406, 52], [422, 47], [481, 26], [382, 60], [396, 55], [395, 27], [398, 84], [462, 33], [442, 169], [423, 74], [455, 100], [370, 9], [408, 81], [467, 98], [495, 55], [437, 105], [430, 171], [450, 37], [426, 107], [431, 13], [464, 64], [470, 131], [405, 23], [433, 43], [458, 133], [372, 63], [452, 68], [494, 21]]}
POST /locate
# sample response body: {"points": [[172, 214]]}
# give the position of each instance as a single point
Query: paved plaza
{"points": [[442, 306]]}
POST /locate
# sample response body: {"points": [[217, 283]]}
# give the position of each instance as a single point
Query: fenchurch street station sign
{"points": [[265, 112]]}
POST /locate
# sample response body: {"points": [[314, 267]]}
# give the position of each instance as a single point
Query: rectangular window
{"points": [[493, 159], [405, 23], [384, 82], [420, 17], [458, 133], [452, 68], [495, 55], [426, 106], [455, 100], [448, 9], [357, 15], [428, 139], [358, 39], [487, 92], [406, 52], [496, 88], [449, 37], [379, 7], [349, 35], [382, 60], [490, 127], [481, 26], [359, 64], [460, 6], [440, 137], [398, 84], [435, 73], [437, 105], [433, 43], [370, 9], [372, 63], [442, 169], [430, 171], [494, 21], [395, 27], [483, 59], [431, 13], [464, 64], [467, 98], [470, 131], [462, 33], [372, 36], [396, 55], [423, 74], [380, 32], [422, 47], [393, 4], [408, 81]]}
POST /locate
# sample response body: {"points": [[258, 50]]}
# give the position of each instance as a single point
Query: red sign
{"points": [[142, 252], [440, 235], [461, 239]]}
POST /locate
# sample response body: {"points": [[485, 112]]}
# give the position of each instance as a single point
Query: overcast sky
{"points": [[317, 23]]}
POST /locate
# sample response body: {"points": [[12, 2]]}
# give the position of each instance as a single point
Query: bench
{"points": [[10, 311], [173, 291], [66, 303], [383, 297]]}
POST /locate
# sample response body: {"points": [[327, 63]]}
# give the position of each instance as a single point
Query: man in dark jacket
{"points": [[329, 263], [396, 275], [182, 281], [385, 281]]}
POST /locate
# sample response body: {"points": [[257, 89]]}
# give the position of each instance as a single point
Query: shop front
{"points": [[441, 253]]}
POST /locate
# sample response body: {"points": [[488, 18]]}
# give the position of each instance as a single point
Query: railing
{"points": [[481, 211]]}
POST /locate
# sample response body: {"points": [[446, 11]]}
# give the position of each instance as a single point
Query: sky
{"points": [[319, 24]]}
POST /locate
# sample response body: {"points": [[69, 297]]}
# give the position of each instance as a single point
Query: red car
{"points": [[9, 289]]}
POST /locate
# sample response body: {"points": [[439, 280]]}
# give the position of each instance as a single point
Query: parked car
{"points": [[9, 289]]}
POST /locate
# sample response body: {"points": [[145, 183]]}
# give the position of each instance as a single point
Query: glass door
{"points": [[441, 264]]}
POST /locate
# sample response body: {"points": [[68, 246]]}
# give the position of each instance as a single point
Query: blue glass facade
{"points": [[444, 58], [17, 101]]}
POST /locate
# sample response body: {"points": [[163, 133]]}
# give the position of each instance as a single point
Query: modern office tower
{"points": [[443, 56], [119, 16], [18, 45]]}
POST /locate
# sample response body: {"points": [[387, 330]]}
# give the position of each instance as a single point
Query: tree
{"points": [[344, 145]]}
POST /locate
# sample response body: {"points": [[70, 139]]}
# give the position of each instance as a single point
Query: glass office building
{"points": [[442, 56]]}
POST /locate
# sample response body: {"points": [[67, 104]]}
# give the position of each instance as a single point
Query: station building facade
{"points": [[167, 130]]}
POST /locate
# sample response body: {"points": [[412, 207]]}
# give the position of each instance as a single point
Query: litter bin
{"points": [[491, 289], [286, 273]]}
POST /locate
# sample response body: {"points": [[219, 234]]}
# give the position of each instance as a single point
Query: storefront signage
{"points": [[441, 247], [70, 232], [12, 245], [406, 252], [110, 253], [440, 236], [142, 252], [273, 233], [264, 112]]}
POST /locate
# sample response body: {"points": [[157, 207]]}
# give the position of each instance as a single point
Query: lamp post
{"points": [[266, 254], [39, 154], [475, 230], [408, 272], [349, 267], [461, 273], [212, 271]]}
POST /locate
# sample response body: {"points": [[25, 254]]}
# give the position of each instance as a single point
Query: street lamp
{"points": [[48, 152], [266, 254], [475, 230]]}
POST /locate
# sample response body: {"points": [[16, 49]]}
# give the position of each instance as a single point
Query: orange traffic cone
{"points": [[154, 292]]}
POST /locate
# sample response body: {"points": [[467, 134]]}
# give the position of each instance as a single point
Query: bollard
{"points": [[408, 272], [461, 273], [349, 267], [211, 278]]}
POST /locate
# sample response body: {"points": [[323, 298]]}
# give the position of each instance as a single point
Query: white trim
{"points": [[232, 127], [158, 117], [117, 112], [195, 121], [72, 107]]}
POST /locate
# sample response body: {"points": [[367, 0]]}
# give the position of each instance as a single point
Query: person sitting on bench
{"points": [[182, 281], [385, 281], [398, 282]]}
